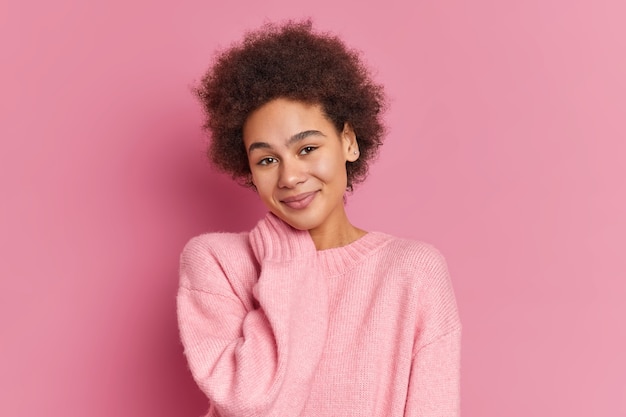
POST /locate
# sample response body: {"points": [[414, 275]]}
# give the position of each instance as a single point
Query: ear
{"points": [[349, 143]]}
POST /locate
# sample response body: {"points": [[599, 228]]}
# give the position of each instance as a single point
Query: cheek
{"points": [[331, 169], [264, 186], [261, 183]]}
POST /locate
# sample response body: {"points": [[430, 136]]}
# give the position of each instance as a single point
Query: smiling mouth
{"points": [[300, 201]]}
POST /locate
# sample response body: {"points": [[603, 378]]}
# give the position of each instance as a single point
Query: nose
{"points": [[291, 174]]}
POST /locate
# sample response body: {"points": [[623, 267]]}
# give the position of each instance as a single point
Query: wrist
{"points": [[273, 239]]}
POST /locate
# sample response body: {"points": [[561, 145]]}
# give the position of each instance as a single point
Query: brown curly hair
{"points": [[289, 61]]}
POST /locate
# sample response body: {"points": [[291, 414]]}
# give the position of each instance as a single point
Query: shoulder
{"points": [[426, 276], [214, 245], [414, 255], [214, 254]]}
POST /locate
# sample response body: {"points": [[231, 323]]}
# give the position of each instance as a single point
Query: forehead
{"points": [[281, 118]]}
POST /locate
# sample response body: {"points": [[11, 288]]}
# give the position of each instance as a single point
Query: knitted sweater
{"points": [[272, 327]]}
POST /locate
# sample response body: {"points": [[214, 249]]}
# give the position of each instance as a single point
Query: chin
{"points": [[298, 223]]}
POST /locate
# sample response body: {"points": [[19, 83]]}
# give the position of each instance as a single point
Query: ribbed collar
{"points": [[337, 261]]}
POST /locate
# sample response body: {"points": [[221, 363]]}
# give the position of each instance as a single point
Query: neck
{"points": [[334, 234]]}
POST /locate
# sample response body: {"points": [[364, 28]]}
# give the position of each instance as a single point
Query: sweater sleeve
{"points": [[434, 385], [257, 361]]}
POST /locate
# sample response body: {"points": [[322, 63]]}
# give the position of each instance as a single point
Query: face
{"points": [[298, 163]]}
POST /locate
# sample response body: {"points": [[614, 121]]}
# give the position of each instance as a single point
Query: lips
{"points": [[300, 201]]}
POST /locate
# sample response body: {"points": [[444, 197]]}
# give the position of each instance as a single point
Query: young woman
{"points": [[307, 314]]}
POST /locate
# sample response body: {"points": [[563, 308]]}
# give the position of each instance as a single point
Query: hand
{"points": [[273, 239]]}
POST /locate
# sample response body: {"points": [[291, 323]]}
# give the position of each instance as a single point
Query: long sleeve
{"points": [[434, 386], [259, 359]]}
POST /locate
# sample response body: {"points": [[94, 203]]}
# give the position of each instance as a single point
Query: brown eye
{"points": [[307, 150], [267, 161]]}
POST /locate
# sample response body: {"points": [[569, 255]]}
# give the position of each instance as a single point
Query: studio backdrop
{"points": [[505, 151]]}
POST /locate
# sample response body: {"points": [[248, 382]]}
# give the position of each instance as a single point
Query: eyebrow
{"points": [[295, 138]]}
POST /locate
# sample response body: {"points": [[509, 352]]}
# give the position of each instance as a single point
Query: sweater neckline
{"points": [[336, 261]]}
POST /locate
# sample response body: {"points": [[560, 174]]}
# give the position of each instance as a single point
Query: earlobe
{"points": [[351, 145]]}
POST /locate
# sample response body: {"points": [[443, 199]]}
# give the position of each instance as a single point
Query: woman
{"points": [[307, 314]]}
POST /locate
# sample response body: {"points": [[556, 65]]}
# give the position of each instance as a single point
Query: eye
{"points": [[307, 150], [267, 161]]}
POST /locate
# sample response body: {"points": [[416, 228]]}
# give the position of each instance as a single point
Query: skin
{"points": [[298, 165]]}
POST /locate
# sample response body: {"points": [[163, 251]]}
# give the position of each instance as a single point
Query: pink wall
{"points": [[506, 151]]}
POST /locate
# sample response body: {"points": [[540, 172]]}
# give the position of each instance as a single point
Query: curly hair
{"points": [[289, 61]]}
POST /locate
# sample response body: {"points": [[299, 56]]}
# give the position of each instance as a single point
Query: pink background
{"points": [[506, 150]]}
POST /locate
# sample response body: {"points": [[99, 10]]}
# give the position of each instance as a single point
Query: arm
{"points": [[434, 385], [261, 361]]}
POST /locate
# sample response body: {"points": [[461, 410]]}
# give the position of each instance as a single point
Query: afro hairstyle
{"points": [[289, 61]]}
